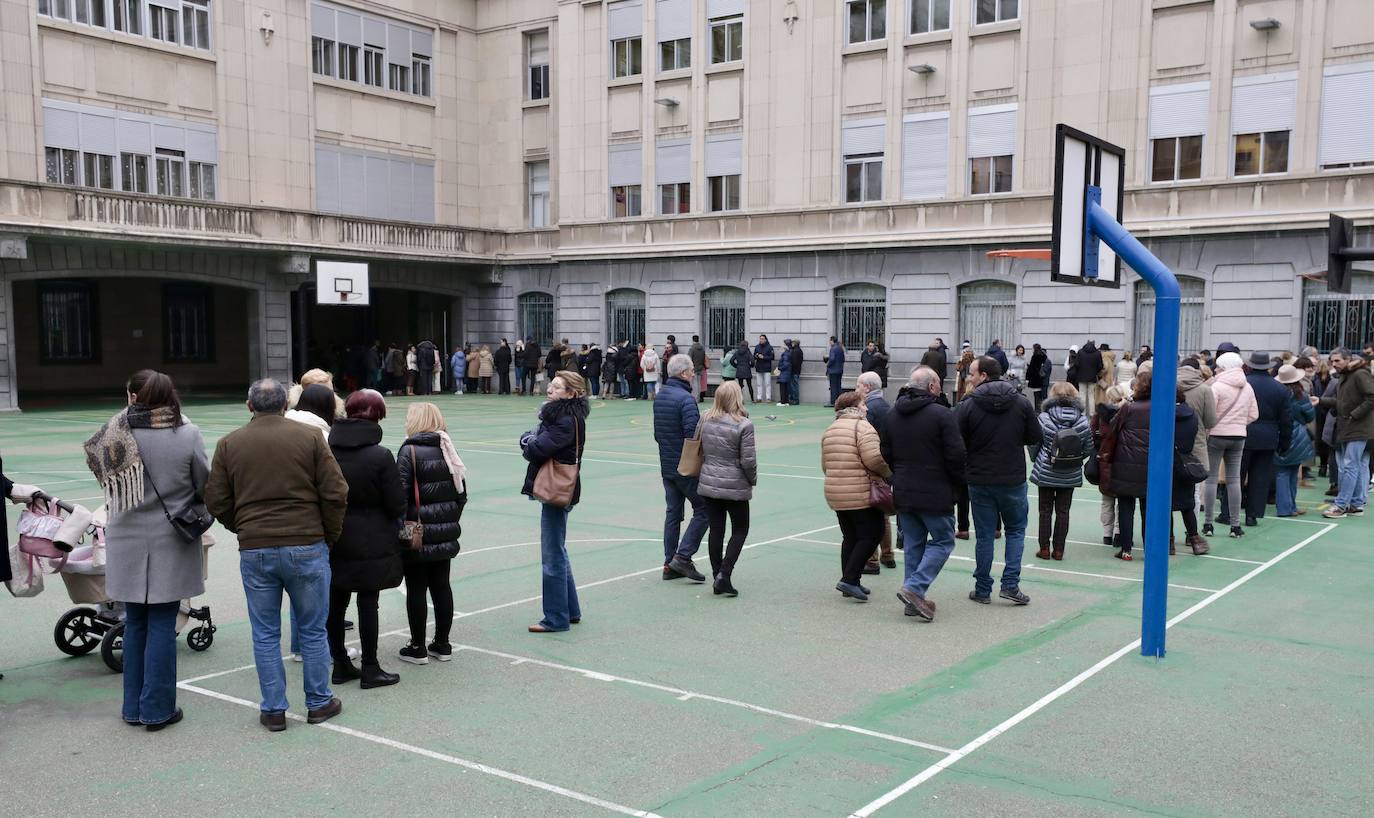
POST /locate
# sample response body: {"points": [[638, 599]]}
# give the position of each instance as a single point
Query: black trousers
{"points": [[429, 580], [723, 557], [1054, 516], [746, 383], [1258, 470], [367, 624], [963, 508], [861, 530], [1125, 522], [505, 382], [424, 379]]}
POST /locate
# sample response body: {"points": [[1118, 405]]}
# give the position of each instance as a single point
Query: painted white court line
{"points": [[1202, 556], [688, 695], [1049, 698], [641, 463], [475, 766]]}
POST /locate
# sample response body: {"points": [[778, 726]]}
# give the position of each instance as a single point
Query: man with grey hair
{"points": [[675, 420], [921, 442], [275, 485]]}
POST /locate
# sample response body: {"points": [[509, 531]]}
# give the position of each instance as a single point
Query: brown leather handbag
{"points": [[689, 463], [412, 532], [555, 482]]}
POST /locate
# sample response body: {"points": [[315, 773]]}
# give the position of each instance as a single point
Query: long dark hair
{"points": [[154, 390], [318, 400]]}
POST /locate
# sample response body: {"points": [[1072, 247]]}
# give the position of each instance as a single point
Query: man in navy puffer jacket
{"points": [[675, 420]]}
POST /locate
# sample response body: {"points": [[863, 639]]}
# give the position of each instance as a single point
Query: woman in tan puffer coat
{"points": [[486, 367], [850, 454]]}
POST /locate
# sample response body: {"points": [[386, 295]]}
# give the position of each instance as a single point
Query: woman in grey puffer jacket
{"points": [[729, 472], [1054, 470]]}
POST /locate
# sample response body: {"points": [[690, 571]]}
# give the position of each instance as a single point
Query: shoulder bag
{"points": [[689, 463], [191, 520], [412, 533], [555, 483], [879, 491]]}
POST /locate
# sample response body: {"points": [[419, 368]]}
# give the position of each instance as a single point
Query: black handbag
{"points": [[1188, 468], [191, 520]]}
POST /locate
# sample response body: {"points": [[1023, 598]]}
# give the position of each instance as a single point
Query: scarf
{"points": [[454, 462], [113, 457]]}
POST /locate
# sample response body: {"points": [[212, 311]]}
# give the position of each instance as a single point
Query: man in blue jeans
{"points": [[920, 441], [997, 423], [675, 420], [1353, 406], [274, 483]]}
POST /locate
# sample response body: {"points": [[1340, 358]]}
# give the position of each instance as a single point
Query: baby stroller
{"points": [[98, 621]]}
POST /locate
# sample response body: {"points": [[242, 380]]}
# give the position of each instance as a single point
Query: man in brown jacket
{"points": [[275, 484]]}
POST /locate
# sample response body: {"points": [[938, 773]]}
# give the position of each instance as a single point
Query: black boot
{"points": [[722, 586], [374, 676], [344, 671]]}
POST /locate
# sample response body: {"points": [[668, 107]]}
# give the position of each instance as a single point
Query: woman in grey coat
{"points": [[1066, 443], [729, 472], [150, 462]]}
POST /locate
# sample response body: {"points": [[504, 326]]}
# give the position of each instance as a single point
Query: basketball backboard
{"points": [[341, 283], [1084, 166]]}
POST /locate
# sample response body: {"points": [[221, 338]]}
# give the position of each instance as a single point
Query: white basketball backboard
{"points": [[1081, 161], [341, 283]]}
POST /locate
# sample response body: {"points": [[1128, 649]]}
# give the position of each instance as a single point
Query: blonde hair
{"points": [[729, 402], [1116, 395], [575, 382], [314, 376], [424, 417], [310, 378], [1064, 389]]}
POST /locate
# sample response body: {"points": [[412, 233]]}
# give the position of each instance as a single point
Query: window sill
{"points": [[536, 103], [980, 196], [1257, 177], [625, 82], [1174, 182], [675, 74], [371, 90], [1173, 4], [1000, 27], [928, 37], [868, 47], [735, 66], [109, 35]]}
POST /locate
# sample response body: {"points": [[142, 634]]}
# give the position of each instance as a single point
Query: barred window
{"points": [[722, 314], [1332, 320], [625, 315], [187, 324], [68, 319], [536, 318], [860, 315], [987, 313], [1189, 320]]}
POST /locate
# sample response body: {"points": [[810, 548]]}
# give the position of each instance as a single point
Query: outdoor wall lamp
{"points": [[1267, 24], [667, 102], [921, 68]]}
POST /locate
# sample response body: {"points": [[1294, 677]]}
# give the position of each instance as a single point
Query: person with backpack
{"points": [[1036, 377], [649, 362], [727, 365], [1066, 443]]}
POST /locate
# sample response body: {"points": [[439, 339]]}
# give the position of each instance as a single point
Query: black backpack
{"points": [[1067, 451]]}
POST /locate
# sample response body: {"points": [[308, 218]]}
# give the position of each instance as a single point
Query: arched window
{"points": [[1331, 320], [987, 313], [860, 315], [1189, 319], [625, 315], [722, 316], [535, 312]]}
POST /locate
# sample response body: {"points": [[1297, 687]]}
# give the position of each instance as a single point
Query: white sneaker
{"points": [[296, 657], [782, 404]]}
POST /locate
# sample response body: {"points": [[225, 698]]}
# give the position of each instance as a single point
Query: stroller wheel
{"points": [[76, 632], [112, 648], [200, 638]]}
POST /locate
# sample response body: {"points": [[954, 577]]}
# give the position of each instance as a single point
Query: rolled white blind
{"points": [[60, 128], [327, 186], [135, 136], [422, 192], [352, 183], [374, 32], [398, 44], [673, 162], [625, 164], [350, 28], [992, 131], [322, 21], [1178, 110], [625, 19], [1264, 103], [723, 8], [1347, 117], [539, 48], [863, 136], [422, 43], [98, 132], [925, 156], [673, 20], [539, 177], [724, 154], [201, 145], [169, 137]]}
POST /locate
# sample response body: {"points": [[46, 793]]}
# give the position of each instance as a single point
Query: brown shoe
{"points": [[324, 714], [1198, 543], [961, 535], [1058, 553], [889, 561], [1042, 554], [275, 722], [1300, 512]]}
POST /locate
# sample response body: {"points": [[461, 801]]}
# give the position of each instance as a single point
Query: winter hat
{"points": [[1289, 374], [1073, 348], [1259, 360], [1190, 362], [1226, 346], [1229, 360]]}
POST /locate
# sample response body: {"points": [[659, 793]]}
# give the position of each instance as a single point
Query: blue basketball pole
{"points": [[1103, 225]]}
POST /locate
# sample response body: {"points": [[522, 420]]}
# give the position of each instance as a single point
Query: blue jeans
{"points": [[988, 503], [927, 540], [677, 491], [150, 662], [795, 386], [650, 387], [1354, 480], [302, 571], [1286, 490], [560, 590]]}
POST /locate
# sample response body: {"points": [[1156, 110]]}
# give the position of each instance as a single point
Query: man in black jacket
{"points": [[920, 440], [424, 361], [502, 360], [797, 358], [1271, 432], [1088, 370], [533, 362], [997, 423]]}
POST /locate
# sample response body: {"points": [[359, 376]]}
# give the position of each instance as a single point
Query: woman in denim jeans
{"points": [[561, 435]]}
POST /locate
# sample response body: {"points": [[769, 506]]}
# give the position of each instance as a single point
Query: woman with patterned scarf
{"points": [[150, 461]]}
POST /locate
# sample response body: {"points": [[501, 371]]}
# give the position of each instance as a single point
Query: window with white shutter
{"points": [[1347, 116], [925, 155]]}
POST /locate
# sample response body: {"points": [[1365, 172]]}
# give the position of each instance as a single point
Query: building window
{"points": [[537, 63], [992, 11], [535, 312], [419, 75], [68, 322], [626, 57], [860, 315], [538, 184], [171, 170], [727, 39], [1176, 158], [188, 334], [202, 176], [61, 166], [162, 23], [133, 172], [987, 313], [195, 23], [625, 315], [722, 315], [400, 77], [322, 56], [929, 15], [625, 201], [989, 174], [348, 62], [1261, 153], [373, 65], [675, 199], [723, 192], [97, 170], [128, 16], [675, 54], [863, 178], [1189, 320], [1332, 320], [867, 20]]}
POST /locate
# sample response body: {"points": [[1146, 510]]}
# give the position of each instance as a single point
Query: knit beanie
{"points": [[1229, 360]]}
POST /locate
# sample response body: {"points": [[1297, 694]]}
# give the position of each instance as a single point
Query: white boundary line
{"points": [[1049, 698], [443, 757], [642, 464]]}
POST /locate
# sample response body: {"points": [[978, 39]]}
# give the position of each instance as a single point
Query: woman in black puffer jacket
{"points": [[429, 463]]}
